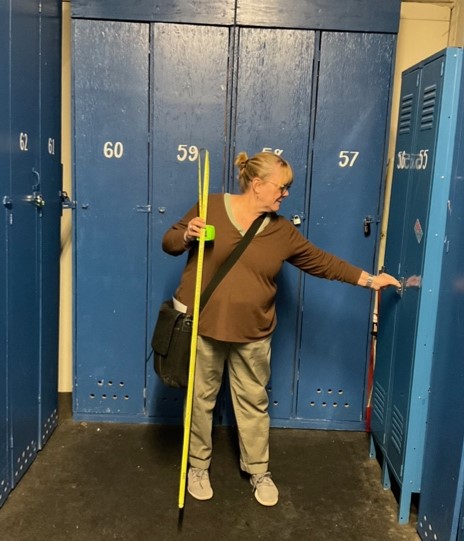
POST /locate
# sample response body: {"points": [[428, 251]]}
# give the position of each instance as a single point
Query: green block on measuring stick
{"points": [[210, 232]]}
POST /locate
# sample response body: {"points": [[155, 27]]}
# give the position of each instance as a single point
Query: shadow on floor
{"points": [[102, 481]]}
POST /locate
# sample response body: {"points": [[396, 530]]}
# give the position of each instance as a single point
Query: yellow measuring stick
{"points": [[203, 208]]}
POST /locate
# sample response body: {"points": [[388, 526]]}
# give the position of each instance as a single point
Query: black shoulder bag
{"points": [[173, 330]]}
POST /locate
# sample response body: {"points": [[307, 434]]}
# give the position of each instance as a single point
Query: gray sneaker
{"points": [[198, 484], [265, 490]]}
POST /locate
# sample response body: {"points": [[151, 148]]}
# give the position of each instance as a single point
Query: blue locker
{"points": [[421, 183], [282, 101], [345, 186], [188, 113], [5, 478], [227, 87], [22, 234], [111, 145], [29, 237], [440, 506], [50, 216]]}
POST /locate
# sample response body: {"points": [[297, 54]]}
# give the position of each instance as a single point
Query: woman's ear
{"points": [[256, 184]]}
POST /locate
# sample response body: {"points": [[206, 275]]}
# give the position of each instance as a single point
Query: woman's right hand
{"points": [[194, 228]]}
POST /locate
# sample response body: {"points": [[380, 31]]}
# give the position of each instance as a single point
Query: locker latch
{"points": [[37, 199], [296, 219], [66, 203], [368, 220], [7, 201]]}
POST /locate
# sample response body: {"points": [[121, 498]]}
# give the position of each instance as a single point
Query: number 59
{"points": [[185, 151]]}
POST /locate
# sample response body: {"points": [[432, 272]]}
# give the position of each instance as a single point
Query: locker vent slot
{"points": [[428, 107], [397, 433], [328, 398], [426, 528], [49, 425], [406, 113], [4, 489], [110, 390], [24, 460], [379, 402]]}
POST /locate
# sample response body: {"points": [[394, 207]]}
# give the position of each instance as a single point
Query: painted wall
{"points": [[457, 25], [424, 30], [65, 347]]}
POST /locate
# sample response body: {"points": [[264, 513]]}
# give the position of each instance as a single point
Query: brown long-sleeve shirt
{"points": [[242, 307]]}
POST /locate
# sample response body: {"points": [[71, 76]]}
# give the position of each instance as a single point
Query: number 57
{"points": [[347, 158]]}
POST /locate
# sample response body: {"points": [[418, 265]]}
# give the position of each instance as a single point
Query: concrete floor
{"points": [[96, 481]]}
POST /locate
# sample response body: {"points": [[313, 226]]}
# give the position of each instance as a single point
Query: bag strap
{"points": [[231, 260]]}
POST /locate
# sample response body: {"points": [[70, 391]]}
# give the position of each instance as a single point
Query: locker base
{"points": [[391, 482], [303, 424]]}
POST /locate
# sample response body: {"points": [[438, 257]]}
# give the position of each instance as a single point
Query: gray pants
{"points": [[249, 372]]}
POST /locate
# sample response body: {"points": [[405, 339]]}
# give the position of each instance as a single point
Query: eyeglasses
{"points": [[282, 187]]}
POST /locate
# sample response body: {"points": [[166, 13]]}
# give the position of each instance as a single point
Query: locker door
{"points": [[416, 220], [442, 483], [273, 111], [111, 188], [346, 180], [189, 95], [4, 191], [389, 299], [49, 239], [23, 313]]}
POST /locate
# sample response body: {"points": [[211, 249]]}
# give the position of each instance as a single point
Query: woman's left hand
{"points": [[378, 281]]}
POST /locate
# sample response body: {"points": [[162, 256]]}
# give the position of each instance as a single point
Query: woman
{"points": [[237, 322]]}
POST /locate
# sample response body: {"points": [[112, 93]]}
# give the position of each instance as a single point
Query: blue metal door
{"points": [[49, 223], [442, 486], [189, 89], [273, 111], [23, 214], [111, 111], [406, 342], [4, 192], [390, 299], [345, 187], [412, 261]]}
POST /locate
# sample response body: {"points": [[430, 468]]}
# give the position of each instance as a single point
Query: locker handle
{"points": [[407, 282], [402, 287], [37, 174]]}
